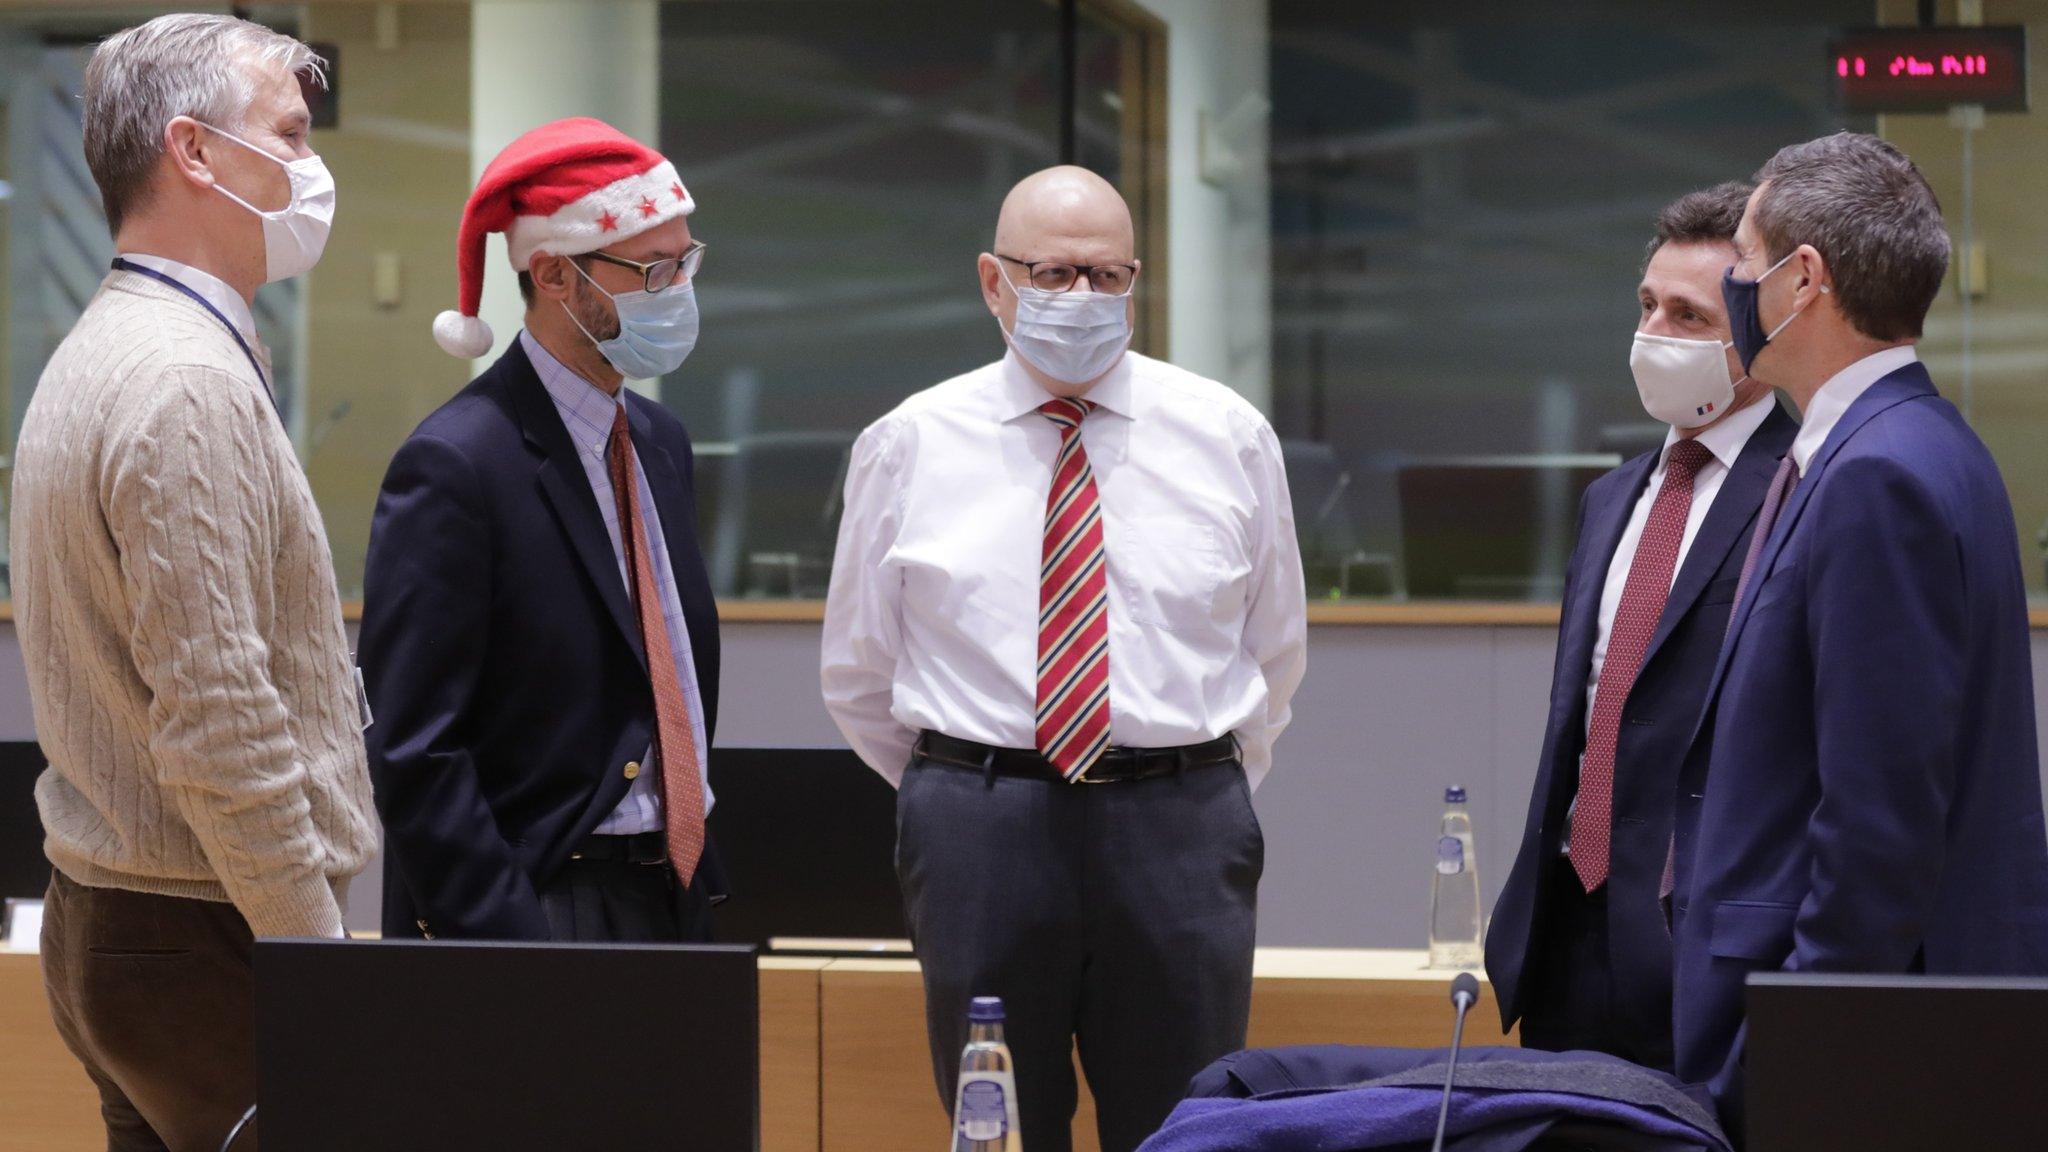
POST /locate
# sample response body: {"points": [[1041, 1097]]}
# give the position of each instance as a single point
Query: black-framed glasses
{"points": [[1051, 276], [661, 273]]}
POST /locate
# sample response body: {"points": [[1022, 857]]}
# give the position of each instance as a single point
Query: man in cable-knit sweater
{"points": [[174, 593]]}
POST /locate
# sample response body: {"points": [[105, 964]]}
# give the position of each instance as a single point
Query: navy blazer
{"points": [[1658, 722], [502, 655], [1863, 794]]}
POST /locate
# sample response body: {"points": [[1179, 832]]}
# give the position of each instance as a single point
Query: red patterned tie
{"points": [[1073, 607], [675, 743], [1635, 622]]}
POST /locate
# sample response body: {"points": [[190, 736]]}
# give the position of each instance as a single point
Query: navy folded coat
{"points": [[1338, 1098]]}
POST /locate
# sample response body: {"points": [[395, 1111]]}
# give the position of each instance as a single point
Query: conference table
{"points": [[844, 1063]]}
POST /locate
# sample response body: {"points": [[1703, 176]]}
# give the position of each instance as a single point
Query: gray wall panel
{"points": [[1387, 717]]}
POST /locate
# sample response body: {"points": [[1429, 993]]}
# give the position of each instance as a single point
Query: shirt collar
{"points": [[587, 411], [1020, 394], [211, 289], [1825, 410], [1730, 436]]}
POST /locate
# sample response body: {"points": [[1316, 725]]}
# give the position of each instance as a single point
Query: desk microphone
{"points": [[1464, 994]]}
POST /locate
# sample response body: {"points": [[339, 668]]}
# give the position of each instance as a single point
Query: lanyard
{"points": [[153, 274]]}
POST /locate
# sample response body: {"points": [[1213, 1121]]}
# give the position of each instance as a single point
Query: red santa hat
{"points": [[563, 189]]}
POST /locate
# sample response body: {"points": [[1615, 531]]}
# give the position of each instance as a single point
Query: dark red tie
{"points": [[1635, 622], [675, 743]]}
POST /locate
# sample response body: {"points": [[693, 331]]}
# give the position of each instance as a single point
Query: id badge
{"points": [[363, 702]]}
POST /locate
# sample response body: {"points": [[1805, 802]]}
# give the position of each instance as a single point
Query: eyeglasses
{"points": [[662, 273], [1108, 279]]}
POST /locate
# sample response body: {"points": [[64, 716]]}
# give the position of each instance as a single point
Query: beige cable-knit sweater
{"points": [[176, 605]]}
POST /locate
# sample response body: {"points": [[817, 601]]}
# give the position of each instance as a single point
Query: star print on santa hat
{"points": [[563, 189]]}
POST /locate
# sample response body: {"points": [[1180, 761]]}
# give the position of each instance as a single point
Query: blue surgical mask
{"points": [[1744, 322], [657, 330], [1075, 336]]}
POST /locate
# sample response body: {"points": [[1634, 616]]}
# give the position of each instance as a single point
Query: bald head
{"points": [[1062, 215], [1066, 214]]}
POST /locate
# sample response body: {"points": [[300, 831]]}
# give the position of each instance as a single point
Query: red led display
{"points": [[1930, 69]]}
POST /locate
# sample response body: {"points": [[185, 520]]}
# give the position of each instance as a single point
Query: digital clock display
{"points": [[1930, 69]]}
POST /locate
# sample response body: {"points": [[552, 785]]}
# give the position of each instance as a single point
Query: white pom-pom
{"points": [[465, 336]]}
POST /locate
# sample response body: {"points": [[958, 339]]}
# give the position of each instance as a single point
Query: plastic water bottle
{"points": [[1454, 891], [985, 1105]]}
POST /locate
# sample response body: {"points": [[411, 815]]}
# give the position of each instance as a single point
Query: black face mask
{"points": [[1745, 325]]}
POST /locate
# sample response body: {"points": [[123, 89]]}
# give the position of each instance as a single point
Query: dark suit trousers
{"points": [[620, 902], [155, 995], [1569, 1005], [1118, 915]]}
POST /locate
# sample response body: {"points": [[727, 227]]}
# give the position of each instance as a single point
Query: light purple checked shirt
{"points": [[587, 411]]}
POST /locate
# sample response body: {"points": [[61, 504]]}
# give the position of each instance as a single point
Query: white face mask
{"points": [[1684, 383], [296, 234], [1072, 336]]}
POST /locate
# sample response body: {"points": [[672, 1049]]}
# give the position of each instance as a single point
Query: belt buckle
{"points": [[1088, 777]]}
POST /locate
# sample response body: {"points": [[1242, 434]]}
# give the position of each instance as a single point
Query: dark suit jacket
{"points": [[1658, 722], [1863, 794], [502, 656]]}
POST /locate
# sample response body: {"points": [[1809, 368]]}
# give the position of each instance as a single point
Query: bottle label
{"points": [[984, 1110], [1450, 855]]}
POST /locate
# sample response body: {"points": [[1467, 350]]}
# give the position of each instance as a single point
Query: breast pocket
{"points": [[1173, 574], [1721, 591], [1786, 580]]}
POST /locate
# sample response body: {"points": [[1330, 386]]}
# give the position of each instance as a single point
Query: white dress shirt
{"points": [[1725, 441], [932, 618], [1825, 410], [211, 288]]}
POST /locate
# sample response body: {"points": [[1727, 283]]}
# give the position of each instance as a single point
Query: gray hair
{"points": [[184, 64], [1868, 211]]}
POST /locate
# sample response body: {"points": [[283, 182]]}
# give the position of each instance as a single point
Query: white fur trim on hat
{"points": [[615, 212], [465, 336]]}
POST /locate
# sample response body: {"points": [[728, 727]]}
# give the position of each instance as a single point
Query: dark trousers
{"points": [[1117, 915], [1569, 1005], [620, 901], [155, 996]]}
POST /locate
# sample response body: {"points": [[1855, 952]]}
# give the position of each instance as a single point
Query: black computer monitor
{"points": [[1491, 528], [24, 870], [508, 1047], [1895, 1063]]}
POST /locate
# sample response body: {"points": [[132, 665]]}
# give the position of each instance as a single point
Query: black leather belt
{"points": [[1115, 765], [639, 848]]}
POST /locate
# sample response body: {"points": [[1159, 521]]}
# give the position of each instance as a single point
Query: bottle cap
{"points": [[1454, 795], [985, 1010]]}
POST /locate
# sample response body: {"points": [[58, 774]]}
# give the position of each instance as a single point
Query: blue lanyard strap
{"points": [[124, 266]]}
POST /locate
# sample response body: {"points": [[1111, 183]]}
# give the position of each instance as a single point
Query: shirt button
{"points": [[632, 769]]}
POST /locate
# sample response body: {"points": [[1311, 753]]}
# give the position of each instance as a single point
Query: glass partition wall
{"points": [[1455, 200]]}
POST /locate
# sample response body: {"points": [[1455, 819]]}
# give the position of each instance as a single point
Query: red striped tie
{"points": [[1073, 607]]}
